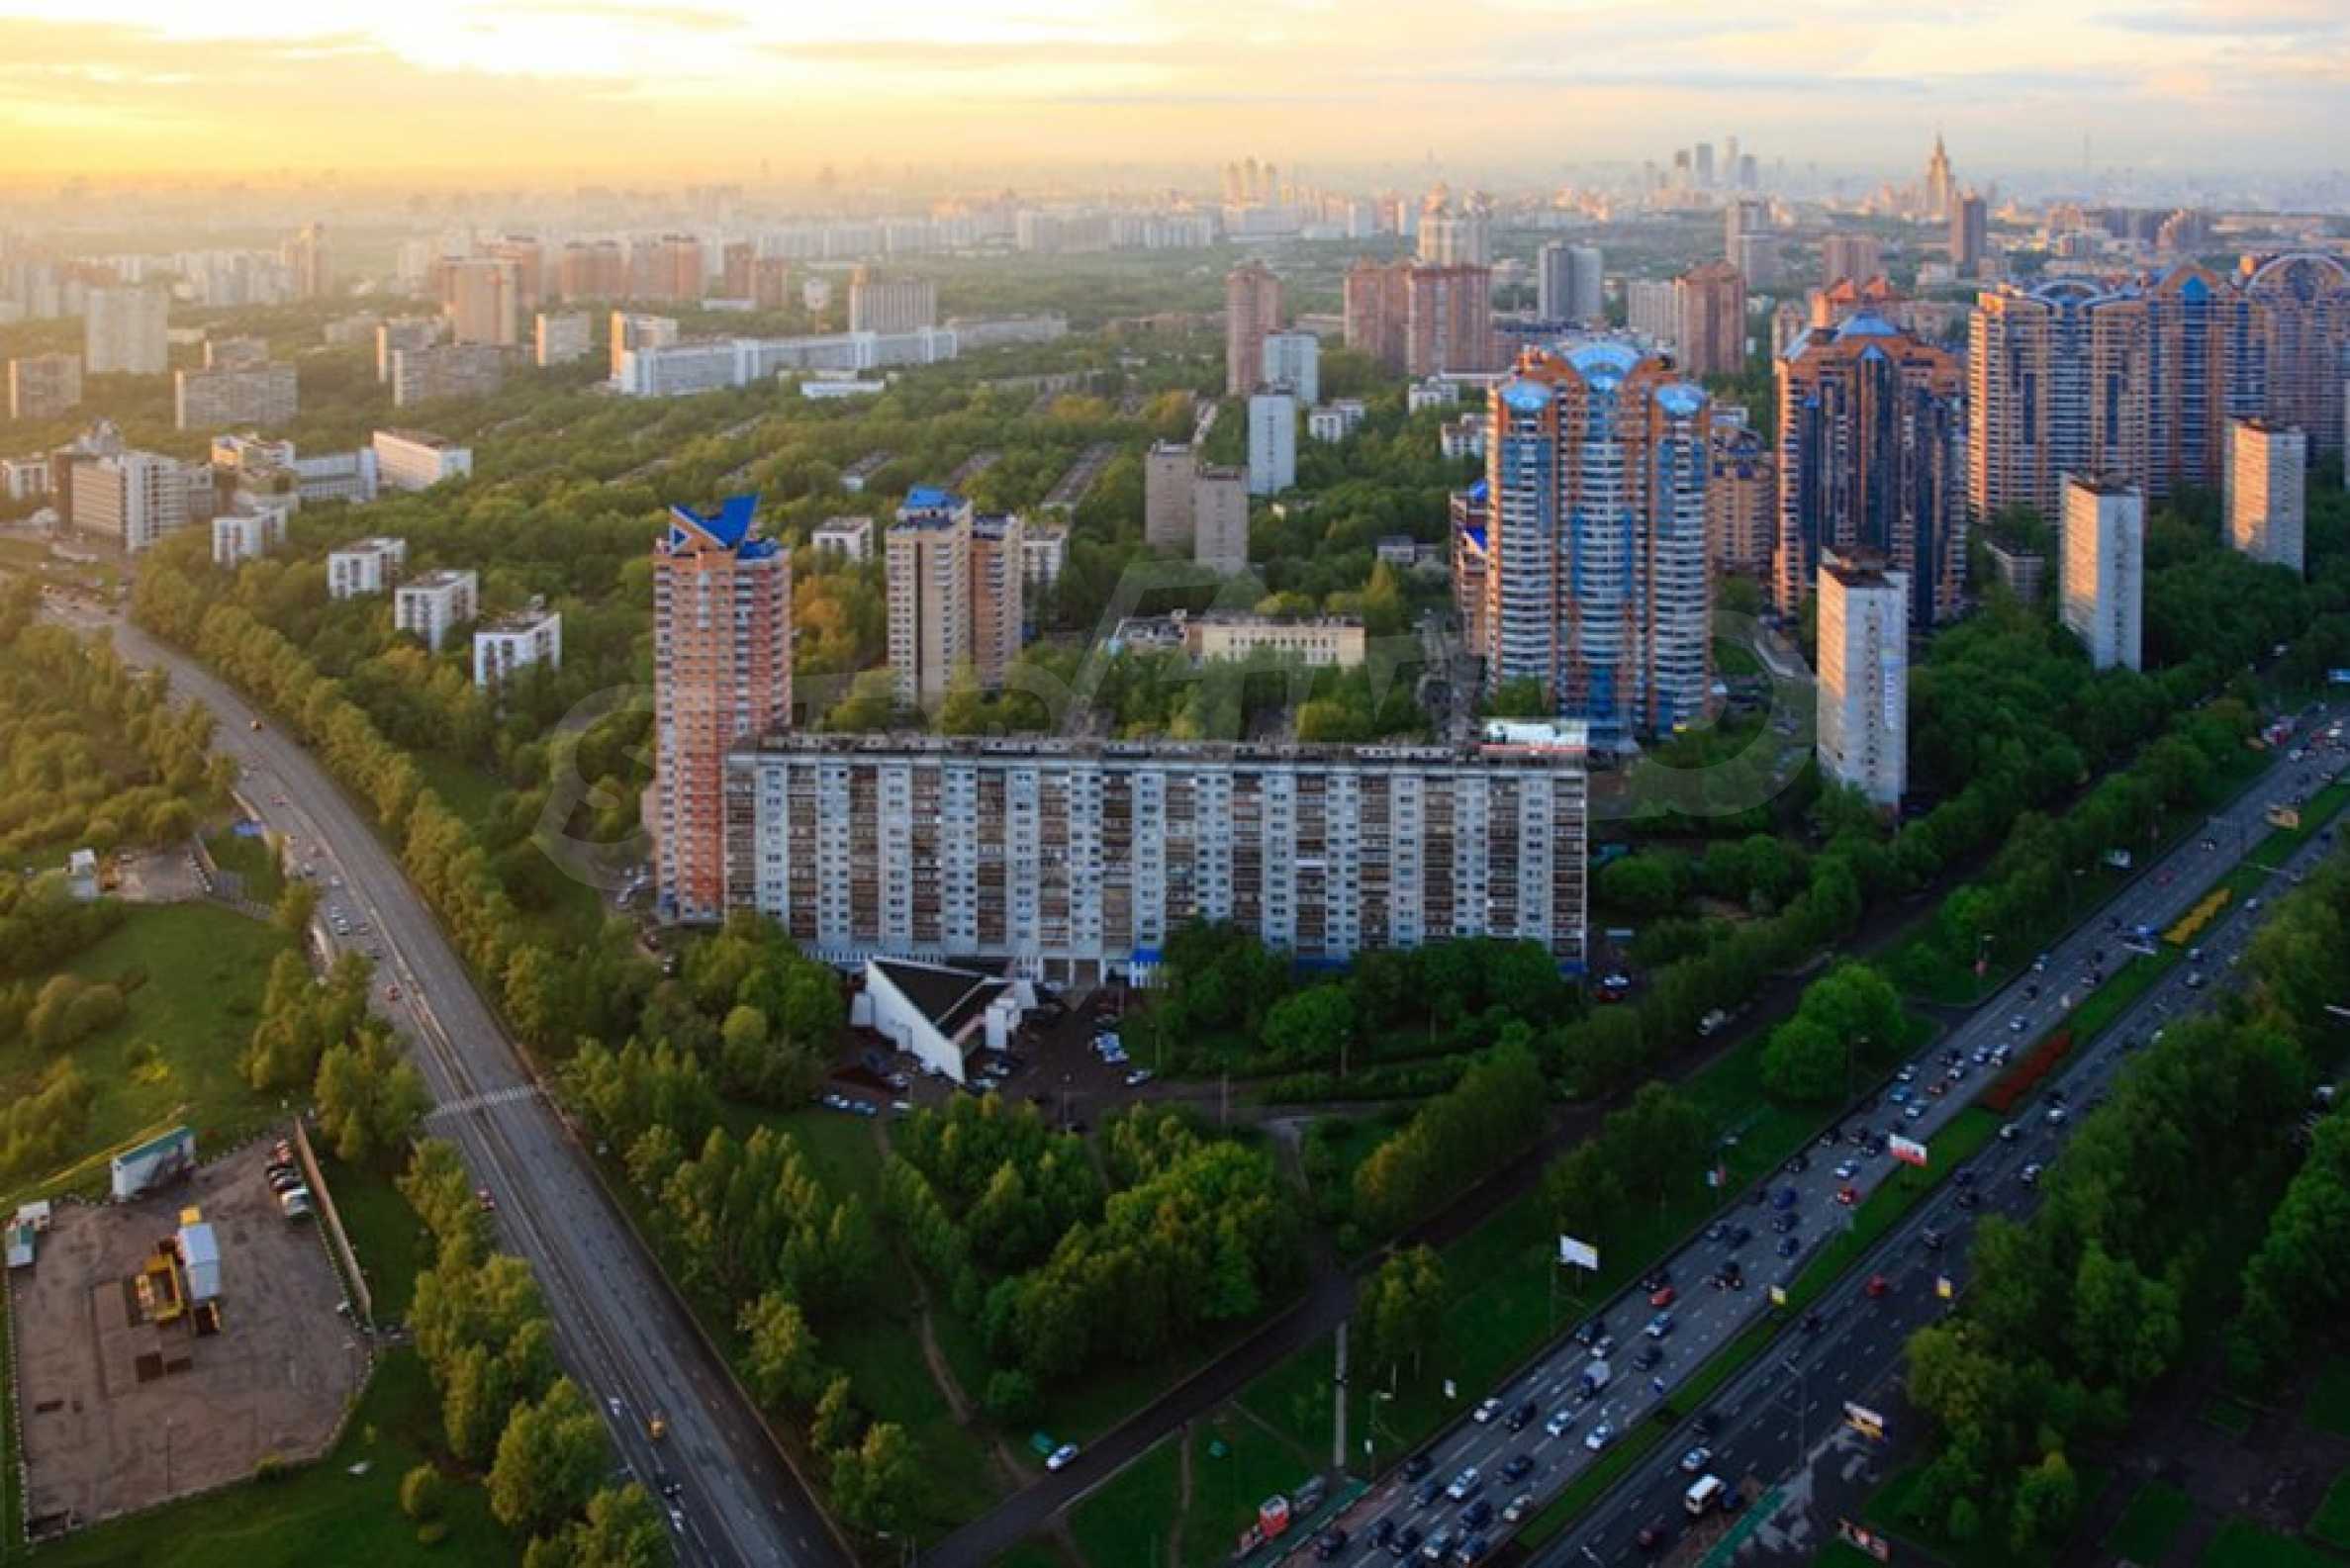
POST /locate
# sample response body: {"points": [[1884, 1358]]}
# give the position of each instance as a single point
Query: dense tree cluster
{"points": [[1495, 1110], [1850, 1020], [1650, 1150], [482, 1329], [2074, 1311]]}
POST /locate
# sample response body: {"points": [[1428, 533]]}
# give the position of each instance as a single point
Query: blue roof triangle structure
{"points": [[730, 527]]}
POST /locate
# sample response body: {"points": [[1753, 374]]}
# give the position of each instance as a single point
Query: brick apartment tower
{"points": [[721, 674], [1251, 308]]}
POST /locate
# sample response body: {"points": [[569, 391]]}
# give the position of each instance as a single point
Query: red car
{"points": [[1878, 1286], [1847, 1196], [1663, 1296]]}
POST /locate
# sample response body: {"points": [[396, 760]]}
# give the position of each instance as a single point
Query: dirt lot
{"points": [[120, 1414]]}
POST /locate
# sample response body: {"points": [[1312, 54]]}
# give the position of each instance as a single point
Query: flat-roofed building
{"points": [[429, 606], [528, 637], [2267, 476], [43, 386], [1864, 678], [365, 566], [418, 459], [2105, 569]]}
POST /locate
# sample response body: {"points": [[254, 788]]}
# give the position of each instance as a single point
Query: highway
{"points": [[1567, 1431], [625, 1334]]}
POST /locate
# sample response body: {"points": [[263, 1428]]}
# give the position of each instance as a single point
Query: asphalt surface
{"points": [[1704, 1317], [624, 1335]]}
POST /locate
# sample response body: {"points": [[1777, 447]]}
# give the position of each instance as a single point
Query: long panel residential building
{"points": [[1075, 862]]}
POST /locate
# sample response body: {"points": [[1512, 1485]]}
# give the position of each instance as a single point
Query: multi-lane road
{"points": [[1769, 1421], [625, 1334], [1774, 1232]]}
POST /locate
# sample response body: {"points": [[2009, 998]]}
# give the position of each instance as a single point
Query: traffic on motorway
{"points": [[1518, 1444]]}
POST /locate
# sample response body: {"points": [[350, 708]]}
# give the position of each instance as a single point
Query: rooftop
{"points": [[439, 443], [1051, 748], [951, 998]]}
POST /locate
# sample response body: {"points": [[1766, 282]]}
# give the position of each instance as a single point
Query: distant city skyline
{"points": [[487, 89]]}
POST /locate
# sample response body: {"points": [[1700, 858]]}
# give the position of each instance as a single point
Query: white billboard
{"points": [[1582, 1254]]}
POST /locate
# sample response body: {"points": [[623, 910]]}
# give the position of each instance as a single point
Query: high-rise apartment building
{"points": [[1378, 310], [630, 332], [307, 260], [1596, 584], [529, 259], [1169, 469], [1273, 442], [448, 370], [1077, 862], [891, 305], [955, 589], [672, 266], [1251, 308], [431, 606], [591, 270], [1569, 283], [1970, 236], [561, 339], [125, 331], [1870, 453], [1653, 311], [2303, 332], [1856, 256], [770, 282], [721, 676], [404, 334], [257, 395], [2266, 495], [483, 302], [1472, 555], [2056, 384], [1220, 519], [1294, 360], [43, 386], [1448, 320], [2104, 577], [1455, 236], [1742, 217], [132, 499], [2199, 337], [739, 263], [1863, 736], [1741, 498], [1710, 307]]}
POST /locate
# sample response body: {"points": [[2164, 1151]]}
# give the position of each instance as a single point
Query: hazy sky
{"points": [[610, 87]]}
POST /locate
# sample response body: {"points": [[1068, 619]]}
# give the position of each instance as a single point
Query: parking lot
{"points": [[1054, 1064], [120, 1412]]}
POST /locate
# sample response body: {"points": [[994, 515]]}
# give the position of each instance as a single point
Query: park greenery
{"points": [[510, 1418], [2173, 1199]]}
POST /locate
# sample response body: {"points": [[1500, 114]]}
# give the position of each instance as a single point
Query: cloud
{"points": [[2222, 19]]}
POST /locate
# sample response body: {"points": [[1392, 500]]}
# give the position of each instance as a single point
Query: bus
{"points": [[1704, 1494]]}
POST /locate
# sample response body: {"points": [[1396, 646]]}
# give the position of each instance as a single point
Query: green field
{"points": [[1130, 1521], [2152, 1520], [192, 976], [249, 858], [2241, 1543], [1226, 1492], [318, 1515], [392, 1242]]}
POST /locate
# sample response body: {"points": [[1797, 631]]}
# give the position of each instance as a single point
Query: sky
{"points": [[610, 88]]}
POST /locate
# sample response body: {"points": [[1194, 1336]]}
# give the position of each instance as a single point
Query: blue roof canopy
{"points": [[730, 527]]}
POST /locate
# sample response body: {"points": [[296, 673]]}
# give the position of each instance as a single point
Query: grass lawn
{"points": [[1127, 1524], [322, 1515], [251, 860], [2328, 1405], [1225, 1492], [192, 976], [462, 787], [2153, 1519], [2240, 1543], [2331, 1523], [1040, 1552], [392, 1242]]}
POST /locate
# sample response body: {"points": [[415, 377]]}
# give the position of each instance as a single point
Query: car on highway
{"points": [[1062, 1456], [1663, 1296], [2029, 1175], [1789, 1246], [2018, 1024], [1561, 1421], [1696, 1459], [483, 1200], [1846, 1171], [1660, 1325], [1330, 1543], [1477, 1515], [1847, 1196], [1465, 1483], [1427, 1492], [1522, 1416], [1599, 1436], [1487, 1411], [1877, 1285], [1520, 1505], [1406, 1541]]}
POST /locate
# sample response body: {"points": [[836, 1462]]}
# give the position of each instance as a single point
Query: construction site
{"points": [[174, 1339]]}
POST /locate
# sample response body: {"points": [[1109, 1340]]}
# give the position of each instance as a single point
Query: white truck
{"points": [[1595, 1378], [1704, 1495]]}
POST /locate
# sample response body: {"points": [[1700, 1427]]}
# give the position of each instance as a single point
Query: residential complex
{"points": [[1710, 308], [1075, 862], [1293, 362], [1864, 677], [1273, 442], [263, 395], [1169, 470], [125, 331], [247, 535], [2105, 569], [680, 369], [1251, 308], [891, 306], [262, 467], [1471, 561], [446, 370], [848, 537], [418, 459], [1596, 573], [1741, 498], [482, 299], [955, 581], [366, 567], [403, 333], [1220, 519], [532, 636], [1856, 256], [632, 331], [2266, 492], [1419, 318], [2056, 383], [430, 605], [1870, 460], [1569, 284], [561, 339], [43, 386], [133, 499], [2302, 333], [721, 674]]}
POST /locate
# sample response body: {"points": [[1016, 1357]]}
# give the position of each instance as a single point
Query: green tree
{"points": [[297, 903], [548, 1460], [874, 1483], [422, 1493], [780, 1361]]}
